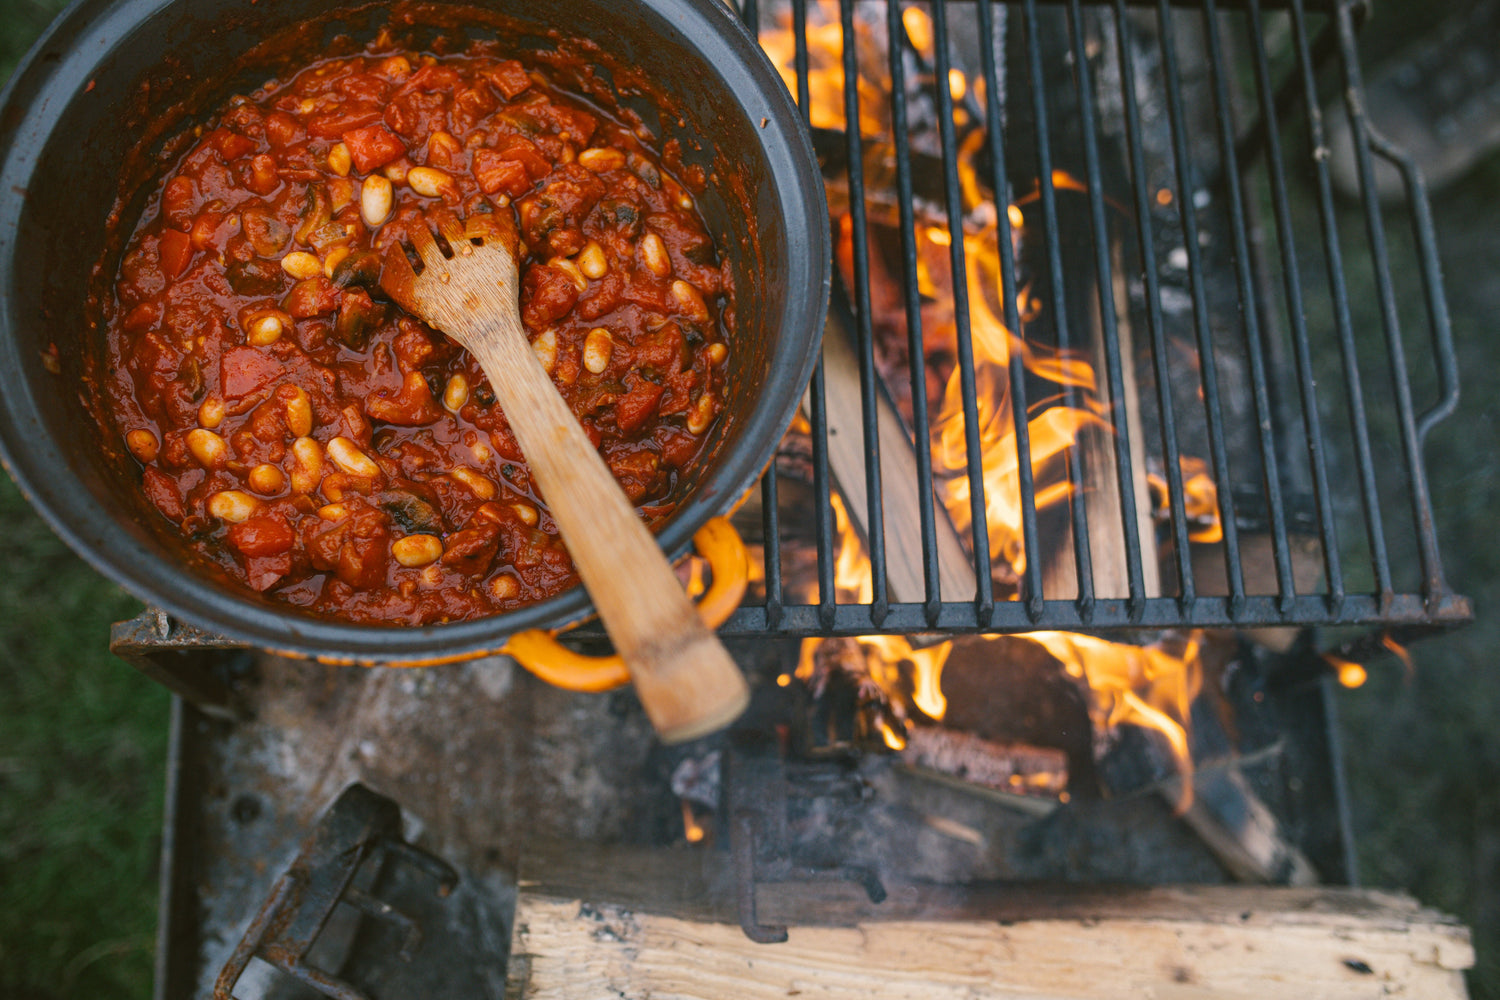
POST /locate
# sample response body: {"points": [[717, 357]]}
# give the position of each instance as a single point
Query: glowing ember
{"points": [[692, 830], [1349, 673]]}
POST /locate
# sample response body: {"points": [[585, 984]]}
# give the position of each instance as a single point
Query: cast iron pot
{"points": [[107, 69]]}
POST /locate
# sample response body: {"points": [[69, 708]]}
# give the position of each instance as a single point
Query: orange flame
{"points": [[1151, 686], [825, 69], [1399, 650], [1052, 431], [854, 581], [1148, 686], [1200, 498]]}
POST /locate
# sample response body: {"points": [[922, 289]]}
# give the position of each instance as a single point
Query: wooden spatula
{"points": [[685, 678]]}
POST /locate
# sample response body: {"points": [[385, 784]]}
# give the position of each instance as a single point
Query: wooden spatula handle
{"points": [[686, 680]]}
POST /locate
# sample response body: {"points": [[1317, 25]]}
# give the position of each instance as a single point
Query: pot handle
{"points": [[539, 652]]}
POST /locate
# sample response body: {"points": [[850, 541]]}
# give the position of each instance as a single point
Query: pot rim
{"points": [[83, 37]]}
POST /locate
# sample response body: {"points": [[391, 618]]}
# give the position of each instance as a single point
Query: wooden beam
{"points": [[900, 489], [1017, 944]]}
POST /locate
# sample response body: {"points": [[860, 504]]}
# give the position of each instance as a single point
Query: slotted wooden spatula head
{"points": [[480, 277], [687, 682]]}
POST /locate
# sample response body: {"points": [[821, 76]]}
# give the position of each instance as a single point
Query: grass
{"points": [[83, 743]]}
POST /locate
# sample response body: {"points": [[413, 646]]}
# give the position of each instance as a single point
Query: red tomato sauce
{"points": [[329, 450]]}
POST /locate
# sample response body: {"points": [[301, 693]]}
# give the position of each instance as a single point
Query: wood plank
{"points": [[1180, 944], [900, 489]]}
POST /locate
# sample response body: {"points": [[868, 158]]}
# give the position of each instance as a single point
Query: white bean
{"points": [[375, 199], [597, 348], [208, 448], [347, 456], [233, 506], [415, 551]]}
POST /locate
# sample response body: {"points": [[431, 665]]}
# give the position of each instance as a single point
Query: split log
{"points": [[1011, 767], [1006, 942], [900, 487]]}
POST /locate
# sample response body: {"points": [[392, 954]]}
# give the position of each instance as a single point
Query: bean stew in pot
{"points": [[325, 448]]}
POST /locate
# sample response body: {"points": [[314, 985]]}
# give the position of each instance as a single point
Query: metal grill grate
{"points": [[1311, 471]]}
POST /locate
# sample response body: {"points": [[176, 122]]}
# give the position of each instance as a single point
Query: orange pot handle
{"points": [[716, 542]]}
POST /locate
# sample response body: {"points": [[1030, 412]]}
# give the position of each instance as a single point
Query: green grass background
{"points": [[83, 744], [83, 738]]}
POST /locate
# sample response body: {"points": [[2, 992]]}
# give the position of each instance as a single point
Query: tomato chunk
{"points": [[175, 249], [637, 405], [372, 147], [346, 119], [509, 77], [495, 174], [262, 536]]}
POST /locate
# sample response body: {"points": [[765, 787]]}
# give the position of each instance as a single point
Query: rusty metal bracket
{"points": [[757, 789], [180, 657], [361, 826]]}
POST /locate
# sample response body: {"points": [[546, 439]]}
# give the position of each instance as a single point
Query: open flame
{"points": [[1200, 497], [1053, 430], [882, 654], [1149, 686]]}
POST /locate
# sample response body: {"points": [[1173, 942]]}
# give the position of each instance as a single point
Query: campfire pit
{"points": [[1088, 402]]}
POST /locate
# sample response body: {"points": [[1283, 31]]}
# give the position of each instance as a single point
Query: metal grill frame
{"points": [[1404, 613]]}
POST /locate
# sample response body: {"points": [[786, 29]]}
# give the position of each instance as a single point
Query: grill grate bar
{"points": [[913, 297], [1109, 613], [863, 329], [1411, 446], [1344, 325], [1109, 327], [1292, 282], [1031, 582], [1271, 475], [1059, 305], [816, 397], [1171, 455], [958, 261]]}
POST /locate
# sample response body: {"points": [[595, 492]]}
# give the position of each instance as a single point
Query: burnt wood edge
{"points": [[697, 884]]}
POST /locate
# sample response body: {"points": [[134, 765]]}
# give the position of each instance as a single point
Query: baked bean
{"points": [[545, 346], [346, 455], [143, 445], [591, 260], [208, 448], [339, 160], [267, 479], [600, 160], [654, 255], [299, 413], [456, 394], [307, 465], [376, 197], [482, 487], [429, 182], [211, 412]]}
